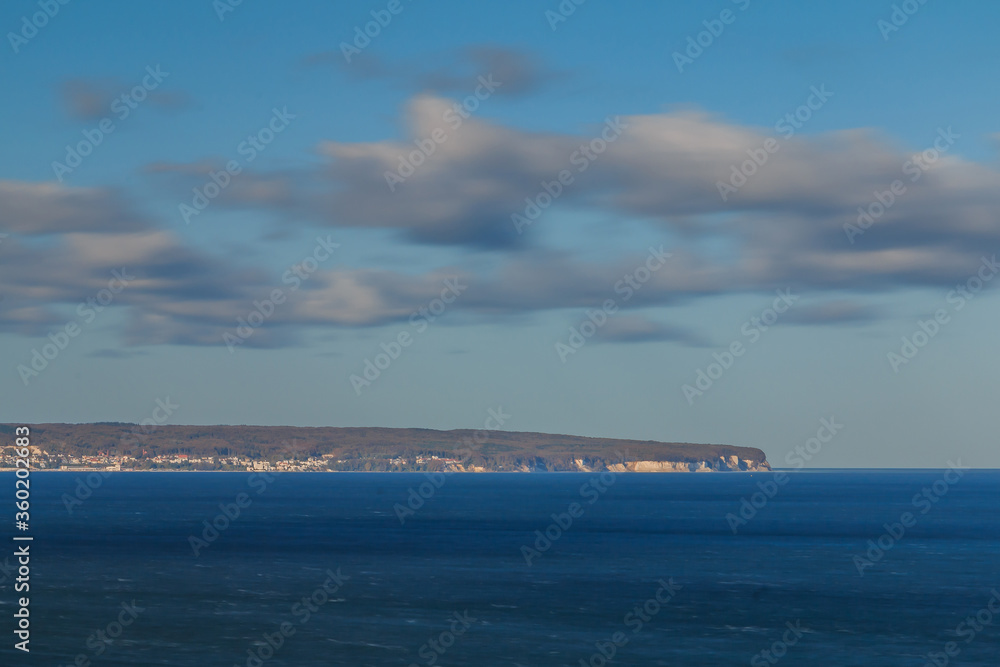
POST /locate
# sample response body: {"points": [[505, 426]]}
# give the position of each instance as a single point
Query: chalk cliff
{"points": [[732, 463]]}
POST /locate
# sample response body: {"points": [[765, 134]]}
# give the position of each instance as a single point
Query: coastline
{"points": [[406, 472]]}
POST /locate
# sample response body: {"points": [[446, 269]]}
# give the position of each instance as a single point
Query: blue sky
{"points": [[357, 264]]}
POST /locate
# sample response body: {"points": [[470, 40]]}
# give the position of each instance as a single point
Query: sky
{"points": [[729, 221]]}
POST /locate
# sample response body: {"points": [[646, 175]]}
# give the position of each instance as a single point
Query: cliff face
{"points": [[722, 464], [733, 463]]}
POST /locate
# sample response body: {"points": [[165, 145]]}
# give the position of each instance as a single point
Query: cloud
{"points": [[48, 208], [364, 66], [91, 99], [519, 72], [639, 329], [164, 277], [833, 312], [247, 189], [464, 194], [87, 100], [786, 225], [113, 353], [89, 236], [784, 229]]}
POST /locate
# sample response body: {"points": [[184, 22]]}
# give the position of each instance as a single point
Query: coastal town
{"points": [[44, 460], [109, 461]]}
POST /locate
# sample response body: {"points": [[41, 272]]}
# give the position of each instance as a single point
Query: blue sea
{"points": [[825, 568]]}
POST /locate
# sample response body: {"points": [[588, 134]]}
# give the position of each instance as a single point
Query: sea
{"points": [[857, 567]]}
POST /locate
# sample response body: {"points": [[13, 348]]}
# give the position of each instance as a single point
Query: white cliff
{"points": [[733, 463]]}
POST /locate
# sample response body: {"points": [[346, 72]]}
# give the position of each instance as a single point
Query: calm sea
{"points": [[829, 568]]}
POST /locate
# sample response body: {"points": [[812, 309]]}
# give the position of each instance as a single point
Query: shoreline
{"points": [[503, 472], [404, 472]]}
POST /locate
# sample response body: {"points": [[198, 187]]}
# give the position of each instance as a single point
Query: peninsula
{"points": [[120, 446]]}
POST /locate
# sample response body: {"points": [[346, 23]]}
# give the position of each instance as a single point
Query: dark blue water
{"points": [[452, 586]]}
